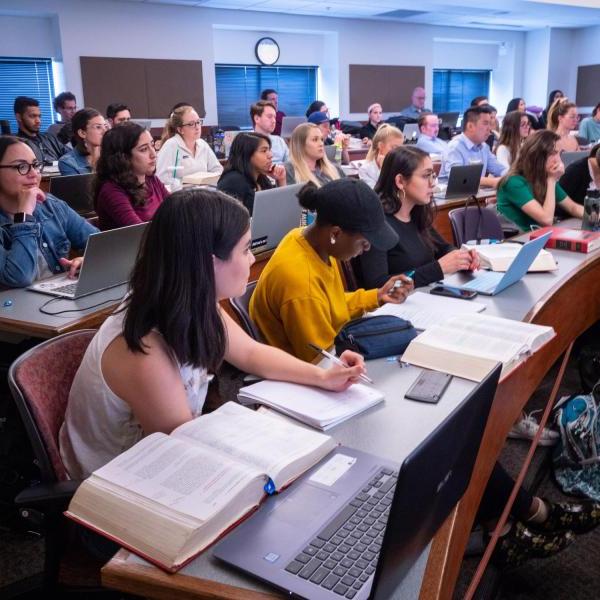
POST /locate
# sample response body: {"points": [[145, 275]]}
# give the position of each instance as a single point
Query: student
{"points": [[469, 147], [117, 113], [183, 151], [46, 147], [263, 117], [374, 116], [562, 119], [554, 95], [321, 120], [308, 161], [405, 188], [386, 139], [417, 106], [480, 101], [37, 230], [127, 191], [582, 175], [516, 127], [65, 104], [272, 96], [249, 167], [300, 297], [517, 104], [428, 141], [529, 192], [148, 367], [317, 106], [589, 128], [88, 127]]}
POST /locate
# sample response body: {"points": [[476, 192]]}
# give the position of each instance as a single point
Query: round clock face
{"points": [[267, 51]]}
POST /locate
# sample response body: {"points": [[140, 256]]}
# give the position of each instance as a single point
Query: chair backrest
{"points": [[474, 222], [240, 306], [348, 275], [4, 127], [40, 381]]}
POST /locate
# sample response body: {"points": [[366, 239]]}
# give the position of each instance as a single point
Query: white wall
{"points": [[107, 28], [40, 40]]}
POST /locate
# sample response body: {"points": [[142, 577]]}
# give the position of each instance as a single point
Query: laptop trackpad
{"points": [[305, 505]]}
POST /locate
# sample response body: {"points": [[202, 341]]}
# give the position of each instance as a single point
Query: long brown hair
{"points": [[531, 161], [560, 107], [510, 136]]}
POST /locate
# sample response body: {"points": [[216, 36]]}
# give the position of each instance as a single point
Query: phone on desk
{"points": [[453, 292]]}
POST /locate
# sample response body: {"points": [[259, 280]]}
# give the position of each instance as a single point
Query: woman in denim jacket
{"points": [[37, 230]]}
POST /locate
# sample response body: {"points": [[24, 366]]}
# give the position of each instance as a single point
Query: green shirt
{"points": [[514, 194]]}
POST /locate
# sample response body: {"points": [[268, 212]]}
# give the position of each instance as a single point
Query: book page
{"points": [[498, 257], [425, 310], [256, 439], [189, 479]]}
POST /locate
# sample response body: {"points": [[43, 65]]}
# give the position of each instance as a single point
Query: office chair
{"points": [[40, 381], [240, 306], [4, 127], [475, 223]]}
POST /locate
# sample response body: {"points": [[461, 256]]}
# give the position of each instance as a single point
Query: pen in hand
{"points": [[336, 360]]}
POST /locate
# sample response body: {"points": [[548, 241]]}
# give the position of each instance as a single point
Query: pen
{"points": [[336, 360]]}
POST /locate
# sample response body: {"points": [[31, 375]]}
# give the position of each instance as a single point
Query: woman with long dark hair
{"points": [[148, 367], [516, 127], [529, 192], [249, 168], [127, 191], [405, 187], [554, 95], [88, 127]]}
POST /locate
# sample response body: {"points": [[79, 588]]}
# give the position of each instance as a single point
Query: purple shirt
{"points": [[115, 209]]}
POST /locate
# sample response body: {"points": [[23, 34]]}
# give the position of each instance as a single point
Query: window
{"points": [[453, 90], [239, 86], [26, 77]]}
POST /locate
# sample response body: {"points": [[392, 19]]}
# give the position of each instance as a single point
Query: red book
{"points": [[575, 240]]}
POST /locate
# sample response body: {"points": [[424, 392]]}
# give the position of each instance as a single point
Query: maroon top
{"points": [[278, 122], [114, 207]]}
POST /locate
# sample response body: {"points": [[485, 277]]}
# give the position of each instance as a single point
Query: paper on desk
{"points": [[424, 310]]}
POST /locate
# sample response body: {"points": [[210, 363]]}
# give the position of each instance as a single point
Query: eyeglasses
{"points": [[431, 177], [197, 123], [24, 168], [99, 127]]}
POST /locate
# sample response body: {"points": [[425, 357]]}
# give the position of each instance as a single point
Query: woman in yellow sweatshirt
{"points": [[300, 297]]}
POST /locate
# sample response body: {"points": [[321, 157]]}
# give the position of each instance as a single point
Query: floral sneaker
{"points": [[527, 427], [579, 517]]}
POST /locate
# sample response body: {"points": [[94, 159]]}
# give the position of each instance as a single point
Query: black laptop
{"points": [[75, 190]]}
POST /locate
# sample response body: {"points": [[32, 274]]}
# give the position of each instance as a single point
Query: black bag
{"points": [[375, 337], [589, 367]]}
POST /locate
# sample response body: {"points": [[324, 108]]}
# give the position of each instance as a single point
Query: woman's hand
{"points": [[457, 260], [27, 199], [475, 260], [338, 378], [555, 169], [73, 265], [278, 174], [395, 289]]}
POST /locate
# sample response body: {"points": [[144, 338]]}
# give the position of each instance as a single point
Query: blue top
{"points": [[589, 128], [56, 227], [413, 112], [73, 163], [462, 151], [432, 145]]}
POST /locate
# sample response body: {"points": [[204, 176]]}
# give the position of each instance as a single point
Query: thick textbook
{"points": [[170, 496], [575, 240], [498, 257], [469, 346], [313, 406]]}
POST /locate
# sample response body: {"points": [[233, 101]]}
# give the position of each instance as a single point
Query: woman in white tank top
{"points": [[146, 370]]}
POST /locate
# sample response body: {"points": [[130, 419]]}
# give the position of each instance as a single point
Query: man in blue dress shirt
{"points": [[469, 147], [429, 127], [417, 107]]}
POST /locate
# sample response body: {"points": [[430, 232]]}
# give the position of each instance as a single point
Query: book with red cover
{"points": [[575, 240]]}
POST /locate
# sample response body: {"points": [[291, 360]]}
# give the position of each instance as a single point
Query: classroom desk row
{"points": [[567, 299]]}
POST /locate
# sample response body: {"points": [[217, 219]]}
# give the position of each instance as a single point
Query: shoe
{"points": [[527, 427], [579, 517], [522, 543]]}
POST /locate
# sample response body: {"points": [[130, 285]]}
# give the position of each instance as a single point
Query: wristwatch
{"points": [[23, 218]]}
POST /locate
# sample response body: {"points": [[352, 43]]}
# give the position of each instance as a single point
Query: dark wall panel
{"points": [[588, 85]]}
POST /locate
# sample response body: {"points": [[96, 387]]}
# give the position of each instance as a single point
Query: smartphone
{"points": [[453, 292]]}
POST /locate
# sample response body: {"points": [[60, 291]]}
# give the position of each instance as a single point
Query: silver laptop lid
{"points": [[288, 124]]}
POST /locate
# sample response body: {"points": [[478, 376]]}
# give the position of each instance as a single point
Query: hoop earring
{"points": [[401, 195]]}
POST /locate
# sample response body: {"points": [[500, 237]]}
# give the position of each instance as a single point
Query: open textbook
{"points": [[170, 496], [313, 406], [469, 346], [498, 257]]}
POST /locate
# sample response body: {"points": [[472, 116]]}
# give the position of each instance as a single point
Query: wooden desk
{"points": [[358, 153]]}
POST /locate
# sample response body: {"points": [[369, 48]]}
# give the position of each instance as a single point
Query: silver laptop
{"points": [[108, 260], [330, 152], [571, 157], [357, 536], [145, 123], [491, 283], [411, 132], [275, 213], [288, 124], [463, 181]]}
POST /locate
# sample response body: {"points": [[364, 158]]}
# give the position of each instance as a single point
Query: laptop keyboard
{"points": [[483, 281], [68, 288], [344, 554]]}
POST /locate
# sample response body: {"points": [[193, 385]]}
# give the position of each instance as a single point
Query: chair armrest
{"points": [[48, 497]]}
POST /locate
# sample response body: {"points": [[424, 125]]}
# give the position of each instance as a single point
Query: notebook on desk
{"points": [[108, 260], [463, 182], [353, 526]]}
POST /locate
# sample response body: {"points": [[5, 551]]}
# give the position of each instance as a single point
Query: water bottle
{"points": [[591, 211]]}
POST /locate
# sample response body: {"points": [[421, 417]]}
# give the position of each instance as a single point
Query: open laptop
{"points": [[357, 536], [75, 190], [410, 132], [449, 119], [571, 157], [491, 283], [288, 124], [108, 260], [463, 181], [275, 213], [145, 123]]}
